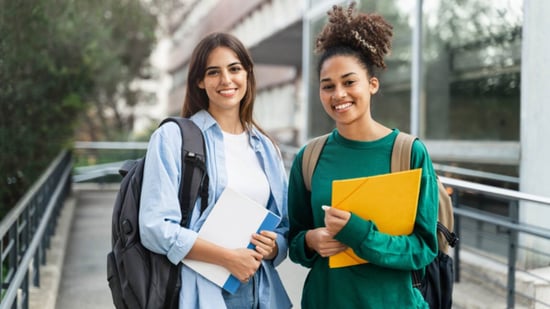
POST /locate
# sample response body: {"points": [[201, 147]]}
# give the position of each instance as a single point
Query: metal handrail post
{"points": [[25, 291], [36, 266], [512, 254]]}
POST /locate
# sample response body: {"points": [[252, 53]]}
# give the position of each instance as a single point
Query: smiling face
{"points": [[225, 81], [346, 89]]}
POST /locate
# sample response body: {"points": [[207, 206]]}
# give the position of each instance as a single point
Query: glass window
{"points": [[391, 105], [471, 53], [472, 58], [319, 121]]}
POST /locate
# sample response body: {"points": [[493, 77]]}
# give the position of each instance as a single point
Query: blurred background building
{"points": [[456, 77]]}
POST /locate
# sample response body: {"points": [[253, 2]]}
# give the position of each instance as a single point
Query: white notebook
{"points": [[230, 224]]}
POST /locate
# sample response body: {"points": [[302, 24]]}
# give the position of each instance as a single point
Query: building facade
{"points": [[468, 77]]}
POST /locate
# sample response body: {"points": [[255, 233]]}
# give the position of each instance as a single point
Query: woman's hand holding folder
{"points": [[335, 219], [322, 241]]}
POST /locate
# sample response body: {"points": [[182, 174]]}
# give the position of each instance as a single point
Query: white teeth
{"points": [[228, 91], [342, 106]]}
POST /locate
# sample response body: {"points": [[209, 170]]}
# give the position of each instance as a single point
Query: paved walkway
{"points": [[83, 283]]}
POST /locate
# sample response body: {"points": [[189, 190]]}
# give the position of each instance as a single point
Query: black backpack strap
{"points": [[417, 278], [204, 192], [194, 180], [126, 167], [451, 237], [194, 176], [172, 293]]}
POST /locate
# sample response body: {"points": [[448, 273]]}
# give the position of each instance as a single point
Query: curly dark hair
{"points": [[348, 32]]}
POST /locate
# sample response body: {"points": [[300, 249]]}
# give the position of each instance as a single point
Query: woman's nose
{"points": [[339, 93], [225, 78]]}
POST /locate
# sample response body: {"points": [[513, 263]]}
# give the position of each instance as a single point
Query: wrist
{"points": [[273, 253], [308, 249]]}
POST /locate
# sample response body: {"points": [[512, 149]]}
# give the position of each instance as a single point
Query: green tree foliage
{"points": [[61, 62], [120, 35]]}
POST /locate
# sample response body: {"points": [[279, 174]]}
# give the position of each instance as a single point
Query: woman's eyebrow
{"points": [[327, 79], [348, 74], [217, 67]]}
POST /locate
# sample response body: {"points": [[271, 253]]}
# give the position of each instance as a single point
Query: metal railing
{"points": [[510, 225], [111, 155], [26, 231]]}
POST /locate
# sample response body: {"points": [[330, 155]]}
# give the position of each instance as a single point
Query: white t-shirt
{"points": [[244, 173]]}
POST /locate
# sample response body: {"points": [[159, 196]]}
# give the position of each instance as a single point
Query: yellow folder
{"points": [[389, 200]]}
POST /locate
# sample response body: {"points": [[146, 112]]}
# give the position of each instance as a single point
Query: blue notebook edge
{"points": [[232, 284], [270, 223]]}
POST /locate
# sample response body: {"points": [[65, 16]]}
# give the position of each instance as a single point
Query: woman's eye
{"points": [[211, 72], [349, 82], [327, 87], [235, 69]]}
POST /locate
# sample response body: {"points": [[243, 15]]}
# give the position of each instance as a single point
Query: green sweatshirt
{"points": [[384, 282]]}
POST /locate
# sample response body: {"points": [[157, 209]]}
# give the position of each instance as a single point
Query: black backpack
{"points": [[139, 278], [437, 283]]}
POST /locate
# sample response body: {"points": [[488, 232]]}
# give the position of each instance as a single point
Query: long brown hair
{"points": [[196, 98]]}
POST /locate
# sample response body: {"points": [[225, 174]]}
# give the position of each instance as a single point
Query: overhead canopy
{"points": [[282, 48]]}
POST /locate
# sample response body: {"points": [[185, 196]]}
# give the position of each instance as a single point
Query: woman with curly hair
{"points": [[352, 47]]}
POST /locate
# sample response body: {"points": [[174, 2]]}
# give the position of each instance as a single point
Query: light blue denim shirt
{"points": [[160, 215]]}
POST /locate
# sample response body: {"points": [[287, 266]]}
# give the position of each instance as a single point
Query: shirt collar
{"points": [[205, 121]]}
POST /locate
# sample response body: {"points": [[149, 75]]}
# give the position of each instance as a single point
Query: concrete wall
{"points": [[535, 125]]}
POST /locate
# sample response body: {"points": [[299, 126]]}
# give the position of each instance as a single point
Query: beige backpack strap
{"points": [[401, 153], [310, 157], [400, 161]]}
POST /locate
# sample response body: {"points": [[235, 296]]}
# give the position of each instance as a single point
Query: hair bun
{"points": [[370, 34]]}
